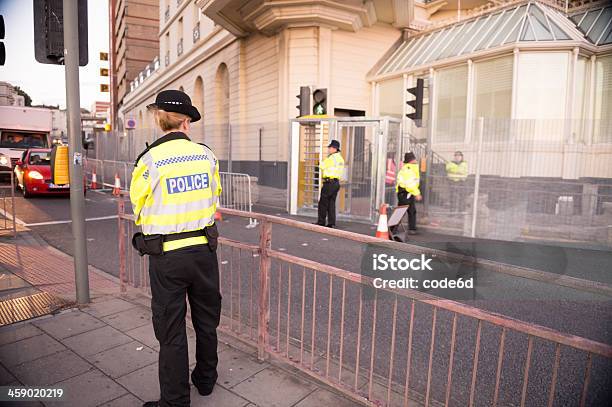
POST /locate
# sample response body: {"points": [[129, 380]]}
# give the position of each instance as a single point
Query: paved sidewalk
{"points": [[105, 354]]}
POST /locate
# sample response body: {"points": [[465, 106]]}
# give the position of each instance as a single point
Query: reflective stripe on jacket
{"points": [[457, 171], [175, 188], [408, 178], [332, 166]]}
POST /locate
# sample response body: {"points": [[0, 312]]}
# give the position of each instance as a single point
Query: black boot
{"points": [[151, 404], [204, 388]]}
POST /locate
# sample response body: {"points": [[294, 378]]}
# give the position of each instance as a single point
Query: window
{"points": [[39, 158], [541, 91], [578, 111], [22, 140], [451, 104], [493, 96], [603, 100], [390, 97]]}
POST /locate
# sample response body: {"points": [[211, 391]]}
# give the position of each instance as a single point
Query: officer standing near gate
{"points": [[407, 188], [331, 170], [174, 192]]}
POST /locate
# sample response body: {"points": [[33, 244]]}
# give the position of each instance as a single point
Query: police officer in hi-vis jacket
{"points": [[331, 169], [174, 192], [407, 188]]}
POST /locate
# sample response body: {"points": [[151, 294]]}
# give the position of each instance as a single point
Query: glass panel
{"points": [[577, 17], [603, 100], [511, 20], [608, 39], [391, 97], [559, 33], [578, 112], [487, 35], [493, 95], [416, 52], [396, 60], [539, 25], [451, 104], [514, 35], [459, 37], [469, 34], [527, 34], [600, 25], [436, 54], [472, 44], [587, 22], [433, 43]]}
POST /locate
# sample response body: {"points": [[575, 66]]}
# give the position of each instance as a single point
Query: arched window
{"points": [[198, 95], [222, 92], [140, 123]]}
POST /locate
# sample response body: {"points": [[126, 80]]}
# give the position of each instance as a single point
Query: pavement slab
{"points": [[143, 383], [68, 324], [51, 369], [89, 389], [28, 350], [129, 400], [123, 359], [129, 319], [17, 332], [6, 377], [321, 397], [236, 366], [219, 397], [144, 334], [285, 390], [109, 307], [98, 340]]}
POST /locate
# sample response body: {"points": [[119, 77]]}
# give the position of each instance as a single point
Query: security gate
{"points": [[365, 142]]}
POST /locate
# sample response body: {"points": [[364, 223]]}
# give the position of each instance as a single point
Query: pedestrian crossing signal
{"points": [[320, 101]]}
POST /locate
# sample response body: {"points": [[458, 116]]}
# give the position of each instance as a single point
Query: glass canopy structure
{"points": [[595, 24], [530, 22]]}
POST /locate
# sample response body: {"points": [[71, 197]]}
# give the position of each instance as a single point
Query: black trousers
{"points": [[193, 272], [402, 199], [327, 202], [457, 196]]}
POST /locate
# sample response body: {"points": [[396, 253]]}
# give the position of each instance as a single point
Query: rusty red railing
{"points": [[399, 347]]}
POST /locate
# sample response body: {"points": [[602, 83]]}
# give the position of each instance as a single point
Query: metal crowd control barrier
{"points": [[8, 221], [398, 347], [106, 170]]}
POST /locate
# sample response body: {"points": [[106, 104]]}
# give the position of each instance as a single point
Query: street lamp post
{"points": [[73, 108]]}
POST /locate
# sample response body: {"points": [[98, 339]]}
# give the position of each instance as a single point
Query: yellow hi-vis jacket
{"points": [[456, 171], [408, 178], [175, 188], [332, 166]]}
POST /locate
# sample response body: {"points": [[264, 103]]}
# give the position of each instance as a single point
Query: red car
{"points": [[33, 174]]}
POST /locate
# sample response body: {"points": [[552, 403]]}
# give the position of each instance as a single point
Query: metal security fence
{"points": [[528, 179], [7, 196], [396, 347]]}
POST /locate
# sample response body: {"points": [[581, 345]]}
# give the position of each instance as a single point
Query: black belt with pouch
{"points": [[154, 244]]}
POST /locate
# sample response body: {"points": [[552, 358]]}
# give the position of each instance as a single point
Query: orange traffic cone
{"points": [[382, 231], [94, 180], [117, 188], [218, 216]]}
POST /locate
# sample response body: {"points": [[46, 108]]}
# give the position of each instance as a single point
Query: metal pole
{"points": [[428, 153], [477, 178], [73, 108]]}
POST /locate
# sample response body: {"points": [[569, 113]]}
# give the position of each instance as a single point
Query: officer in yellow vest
{"points": [[331, 171], [407, 188], [457, 173], [174, 192]]}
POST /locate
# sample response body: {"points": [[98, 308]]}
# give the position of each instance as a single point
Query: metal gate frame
{"points": [[381, 130]]}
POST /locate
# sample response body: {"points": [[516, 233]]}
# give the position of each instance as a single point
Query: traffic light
{"points": [[417, 103], [2, 49], [49, 32], [303, 105], [320, 101]]}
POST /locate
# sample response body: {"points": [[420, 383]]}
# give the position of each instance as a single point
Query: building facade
{"points": [[133, 43]]}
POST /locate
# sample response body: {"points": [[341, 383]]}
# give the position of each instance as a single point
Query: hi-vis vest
{"points": [[332, 166], [175, 188], [408, 178], [456, 171]]}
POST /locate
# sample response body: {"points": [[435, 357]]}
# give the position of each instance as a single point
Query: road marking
{"points": [[9, 216], [59, 222]]}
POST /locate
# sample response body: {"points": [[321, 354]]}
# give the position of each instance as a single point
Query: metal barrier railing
{"points": [[7, 217], [398, 347]]}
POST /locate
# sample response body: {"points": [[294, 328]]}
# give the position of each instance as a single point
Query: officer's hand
{"points": [[419, 197]]}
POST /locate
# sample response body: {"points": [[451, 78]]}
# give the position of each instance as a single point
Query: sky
{"points": [[46, 83]]}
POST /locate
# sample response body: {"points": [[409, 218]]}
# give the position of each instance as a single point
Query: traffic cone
{"points": [[117, 187], [218, 216], [382, 231], [94, 180]]}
